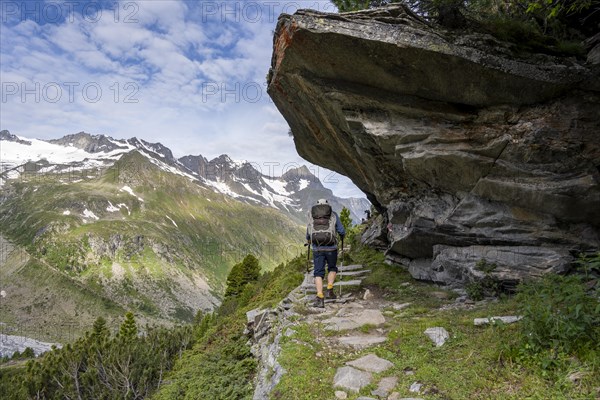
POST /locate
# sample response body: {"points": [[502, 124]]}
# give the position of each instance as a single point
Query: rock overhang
{"points": [[477, 146]]}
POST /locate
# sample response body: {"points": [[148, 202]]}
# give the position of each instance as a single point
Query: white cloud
{"points": [[173, 73]]}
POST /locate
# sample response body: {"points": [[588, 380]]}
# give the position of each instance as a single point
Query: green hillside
{"points": [[133, 237]]}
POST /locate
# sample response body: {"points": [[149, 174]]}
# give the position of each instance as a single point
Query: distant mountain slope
{"points": [[98, 226]]}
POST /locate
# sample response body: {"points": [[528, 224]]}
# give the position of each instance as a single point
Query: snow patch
{"points": [[278, 186], [112, 208], [88, 214], [18, 154], [117, 208], [164, 166], [304, 183], [66, 212], [273, 198], [221, 187], [130, 191], [171, 219], [248, 188]]}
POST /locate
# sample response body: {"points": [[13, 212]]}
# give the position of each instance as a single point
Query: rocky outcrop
{"points": [[88, 142], [467, 150], [9, 137]]}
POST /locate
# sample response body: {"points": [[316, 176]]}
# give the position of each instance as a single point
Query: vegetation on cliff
{"points": [[555, 26]]}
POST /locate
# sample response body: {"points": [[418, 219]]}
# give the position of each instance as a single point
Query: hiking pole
{"points": [[306, 278], [341, 267], [307, 245]]}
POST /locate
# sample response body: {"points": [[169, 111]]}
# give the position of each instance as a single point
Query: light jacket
{"points": [[338, 227]]}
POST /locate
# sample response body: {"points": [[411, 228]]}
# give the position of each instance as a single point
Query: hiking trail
{"points": [[341, 318]]}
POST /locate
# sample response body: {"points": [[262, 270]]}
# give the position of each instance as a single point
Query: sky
{"points": [[188, 74]]}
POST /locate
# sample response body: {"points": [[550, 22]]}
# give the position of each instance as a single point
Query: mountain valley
{"points": [[97, 226]]}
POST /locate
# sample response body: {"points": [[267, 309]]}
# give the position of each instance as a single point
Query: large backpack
{"points": [[321, 225]]}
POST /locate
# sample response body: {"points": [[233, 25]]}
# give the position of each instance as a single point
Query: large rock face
{"points": [[468, 152]]}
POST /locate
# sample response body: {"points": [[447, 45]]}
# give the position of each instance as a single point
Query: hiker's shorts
{"points": [[322, 257]]}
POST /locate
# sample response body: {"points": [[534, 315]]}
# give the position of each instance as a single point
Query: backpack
{"points": [[321, 225]]}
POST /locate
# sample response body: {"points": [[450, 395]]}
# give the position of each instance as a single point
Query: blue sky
{"points": [[188, 74]]}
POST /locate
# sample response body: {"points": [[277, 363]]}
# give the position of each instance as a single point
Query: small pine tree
{"points": [[28, 353], [99, 329], [128, 329], [345, 219]]}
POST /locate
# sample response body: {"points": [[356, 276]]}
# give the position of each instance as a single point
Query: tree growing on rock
{"points": [[355, 5]]}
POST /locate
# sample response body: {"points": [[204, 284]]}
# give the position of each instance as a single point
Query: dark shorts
{"points": [[322, 257]]}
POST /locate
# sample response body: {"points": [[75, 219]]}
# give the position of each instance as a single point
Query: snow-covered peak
{"points": [[294, 192], [91, 143], [17, 153], [155, 149]]}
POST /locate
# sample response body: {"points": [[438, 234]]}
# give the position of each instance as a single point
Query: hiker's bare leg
{"points": [[330, 279], [319, 284]]}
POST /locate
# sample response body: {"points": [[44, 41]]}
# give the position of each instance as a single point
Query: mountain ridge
{"points": [[105, 225], [238, 179]]}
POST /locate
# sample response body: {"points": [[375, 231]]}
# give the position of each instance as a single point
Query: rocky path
{"points": [[354, 323], [353, 310]]}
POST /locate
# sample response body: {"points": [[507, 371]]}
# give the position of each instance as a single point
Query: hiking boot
{"points": [[319, 302], [329, 294]]}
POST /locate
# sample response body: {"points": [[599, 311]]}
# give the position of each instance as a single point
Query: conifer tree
{"points": [[345, 218], [128, 329], [241, 274]]}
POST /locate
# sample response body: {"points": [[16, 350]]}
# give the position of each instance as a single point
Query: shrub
{"points": [[558, 315], [486, 286], [474, 290]]}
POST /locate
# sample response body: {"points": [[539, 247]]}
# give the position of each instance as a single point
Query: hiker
{"points": [[323, 225]]}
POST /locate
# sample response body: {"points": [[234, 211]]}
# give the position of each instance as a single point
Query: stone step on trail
{"points": [[354, 273], [355, 282], [342, 300], [361, 341], [354, 320], [352, 267], [351, 379]]}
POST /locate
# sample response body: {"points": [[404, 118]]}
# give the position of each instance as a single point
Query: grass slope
{"points": [[163, 252], [220, 365], [475, 363]]}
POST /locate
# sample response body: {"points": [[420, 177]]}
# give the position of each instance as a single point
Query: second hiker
{"points": [[323, 227]]}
